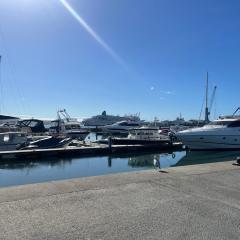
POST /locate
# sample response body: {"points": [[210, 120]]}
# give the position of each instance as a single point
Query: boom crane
{"points": [[212, 99]]}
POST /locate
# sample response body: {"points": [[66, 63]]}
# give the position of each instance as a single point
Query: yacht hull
{"points": [[211, 142], [221, 134]]}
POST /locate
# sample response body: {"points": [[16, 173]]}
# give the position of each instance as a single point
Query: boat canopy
{"points": [[36, 125]]}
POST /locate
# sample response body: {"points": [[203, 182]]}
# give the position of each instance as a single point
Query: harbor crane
{"points": [[209, 108], [212, 99]]}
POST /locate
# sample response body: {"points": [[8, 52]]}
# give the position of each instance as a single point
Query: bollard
{"points": [[110, 143]]}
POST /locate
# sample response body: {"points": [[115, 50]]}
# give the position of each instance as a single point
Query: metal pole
{"points": [[206, 108]]}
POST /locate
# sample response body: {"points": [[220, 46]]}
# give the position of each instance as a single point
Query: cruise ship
{"points": [[104, 119]]}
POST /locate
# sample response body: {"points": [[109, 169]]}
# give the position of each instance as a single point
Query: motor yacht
{"points": [[67, 126], [46, 143], [143, 135], [221, 134], [121, 127]]}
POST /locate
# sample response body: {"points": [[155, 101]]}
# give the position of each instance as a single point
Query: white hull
{"points": [[212, 142], [120, 127], [220, 134]]}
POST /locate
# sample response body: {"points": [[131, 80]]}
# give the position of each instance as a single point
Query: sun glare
{"points": [[89, 29]]}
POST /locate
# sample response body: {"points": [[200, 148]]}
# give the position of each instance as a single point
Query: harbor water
{"points": [[43, 170], [18, 172]]}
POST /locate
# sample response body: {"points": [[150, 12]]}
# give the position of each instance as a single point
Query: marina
{"points": [[119, 120]]}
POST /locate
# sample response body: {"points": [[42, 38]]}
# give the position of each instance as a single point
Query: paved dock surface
{"points": [[191, 202]]}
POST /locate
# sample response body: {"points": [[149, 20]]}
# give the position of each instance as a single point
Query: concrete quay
{"points": [[190, 202]]}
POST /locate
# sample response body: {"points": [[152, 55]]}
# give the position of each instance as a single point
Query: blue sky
{"points": [[162, 48]]}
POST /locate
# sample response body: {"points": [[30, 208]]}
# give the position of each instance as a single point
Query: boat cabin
{"points": [[145, 133], [32, 125]]}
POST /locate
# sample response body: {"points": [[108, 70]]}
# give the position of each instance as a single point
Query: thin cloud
{"points": [[152, 88], [168, 92]]}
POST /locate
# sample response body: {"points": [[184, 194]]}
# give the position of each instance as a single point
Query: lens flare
{"points": [[86, 26]]}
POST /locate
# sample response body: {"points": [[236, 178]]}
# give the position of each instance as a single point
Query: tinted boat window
{"points": [[234, 124], [220, 123], [133, 124], [123, 124]]}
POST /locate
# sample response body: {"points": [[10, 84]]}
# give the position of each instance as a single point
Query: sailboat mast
{"points": [[207, 91], [206, 108]]}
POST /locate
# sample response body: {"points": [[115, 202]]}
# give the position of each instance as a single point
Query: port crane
{"points": [[208, 108]]}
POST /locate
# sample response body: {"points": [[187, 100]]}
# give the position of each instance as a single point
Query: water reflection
{"points": [[200, 157], [133, 160], [42, 170], [142, 161], [165, 159], [24, 164]]}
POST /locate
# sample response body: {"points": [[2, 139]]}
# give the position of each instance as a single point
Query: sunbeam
{"points": [[85, 25]]}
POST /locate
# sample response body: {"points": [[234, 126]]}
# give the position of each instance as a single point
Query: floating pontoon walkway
{"points": [[88, 150]]}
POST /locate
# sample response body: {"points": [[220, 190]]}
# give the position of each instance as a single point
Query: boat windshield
{"points": [[72, 127], [54, 124]]}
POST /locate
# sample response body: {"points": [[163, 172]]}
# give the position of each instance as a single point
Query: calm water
{"points": [[24, 172]]}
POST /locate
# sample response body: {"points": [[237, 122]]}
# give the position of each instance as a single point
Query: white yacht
{"points": [[67, 126], [147, 134], [121, 127], [220, 134], [144, 136]]}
